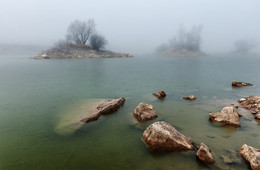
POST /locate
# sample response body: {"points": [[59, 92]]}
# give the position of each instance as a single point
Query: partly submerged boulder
{"points": [[160, 94], [161, 136], [190, 97], [111, 106], [251, 103], [107, 107], [144, 112], [228, 116], [240, 84], [204, 154], [252, 155]]}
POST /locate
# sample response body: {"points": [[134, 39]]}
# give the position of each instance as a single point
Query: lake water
{"points": [[39, 99]]}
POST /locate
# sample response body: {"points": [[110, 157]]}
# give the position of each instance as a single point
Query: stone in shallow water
{"points": [[161, 136], [144, 112], [228, 116], [240, 84], [252, 155], [160, 94], [205, 155], [190, 97]]}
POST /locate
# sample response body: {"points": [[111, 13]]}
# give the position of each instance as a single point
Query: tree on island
{"points": [[80, 31], [185, 41], [244, 45], [97, 41]]}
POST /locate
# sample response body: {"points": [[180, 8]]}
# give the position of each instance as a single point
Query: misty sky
{"points": [[135, 26]]}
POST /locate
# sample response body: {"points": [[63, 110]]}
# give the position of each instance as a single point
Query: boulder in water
{"points": [[107, 107], [228, 116], [204, 154], [144, 112], [160, 94], [240, 84], [252, 155], [190, 97], [161, 136]]}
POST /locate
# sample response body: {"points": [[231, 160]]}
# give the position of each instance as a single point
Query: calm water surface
{"points": [[37, 96]]}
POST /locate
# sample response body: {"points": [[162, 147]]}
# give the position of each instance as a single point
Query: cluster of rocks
{"points": [[251, 103], [163, 137]]}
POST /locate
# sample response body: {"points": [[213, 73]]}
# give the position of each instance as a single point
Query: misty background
{"points": [[136, 27]]}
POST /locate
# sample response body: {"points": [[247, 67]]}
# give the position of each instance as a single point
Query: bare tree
{"points": [[80, 31], [97, 41], [244, 46]]}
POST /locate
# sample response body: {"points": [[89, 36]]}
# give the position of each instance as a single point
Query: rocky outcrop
{"points": [[204, 154], [107, 107], [228, 116], [144, 112], [161, 136], [190, 97], [240, 84], [251, 103], [160, 94], [252, 155]]}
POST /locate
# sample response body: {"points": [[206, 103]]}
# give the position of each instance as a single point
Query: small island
{"points": [[81, 41], [186, 43]]}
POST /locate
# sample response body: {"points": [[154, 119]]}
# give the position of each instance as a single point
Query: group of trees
{"points": [[184, 40], [244, 45], [82, 34]]}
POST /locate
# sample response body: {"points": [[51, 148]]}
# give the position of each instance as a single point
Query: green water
{"points": [[35, 96]]}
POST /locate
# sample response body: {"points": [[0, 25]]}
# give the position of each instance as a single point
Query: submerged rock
{"points": [[92, 117], [107, 107], [160, 94], [144, 112], [251, 103], [205, 155], [190, 97], [252, 155], [240, 84], [161, 136], [228, 116]]}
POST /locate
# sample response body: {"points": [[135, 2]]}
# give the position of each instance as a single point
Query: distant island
{"points": [[186, 43], [73, 51], [81, 41]]}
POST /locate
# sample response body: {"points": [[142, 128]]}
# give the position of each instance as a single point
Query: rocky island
{"points": [[71, 51], [81, 41]]}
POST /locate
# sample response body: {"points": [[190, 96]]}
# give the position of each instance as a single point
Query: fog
{"points": [[131, 26]]}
